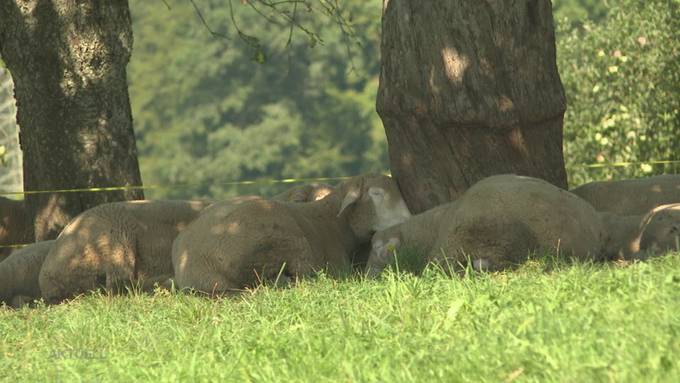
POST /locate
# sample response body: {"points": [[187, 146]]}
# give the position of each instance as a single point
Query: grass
{"points": [[575, 323]]}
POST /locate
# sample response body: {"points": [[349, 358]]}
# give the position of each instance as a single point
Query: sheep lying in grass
{"points": [[19, 274], [641, 236], [114, 244], [661, 230], [14, 228], [231, 248], [631, 197], [118, 244], [496, 224]]}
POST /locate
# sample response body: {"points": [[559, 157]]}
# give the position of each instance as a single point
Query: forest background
{"points": [[209, 111]]}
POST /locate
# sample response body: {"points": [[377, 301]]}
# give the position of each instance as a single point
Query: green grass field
{"points": [[573, 323]]}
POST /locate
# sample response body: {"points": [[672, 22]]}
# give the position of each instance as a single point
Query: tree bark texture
{"points": [[468, 89], [67, 59]]}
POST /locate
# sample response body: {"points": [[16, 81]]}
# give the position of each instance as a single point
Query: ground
{"points": [[543, 322]]}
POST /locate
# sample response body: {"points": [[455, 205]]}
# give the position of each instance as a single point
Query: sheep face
{"points": [[661, 230], [374, 203], [383, 248]]}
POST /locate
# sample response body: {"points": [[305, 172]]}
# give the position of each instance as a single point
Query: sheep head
{"points": [[384, 245], [372, 203], [661, 229]]}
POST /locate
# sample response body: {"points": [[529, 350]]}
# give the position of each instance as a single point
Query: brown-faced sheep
{"points": [[622, 240], [642, 236], [231, 248], [660, 230], [114, 244], [631, 197], [496, 224], [14, 227], [19, 273]]}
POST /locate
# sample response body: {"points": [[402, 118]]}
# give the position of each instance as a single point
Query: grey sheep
{"points": [[495, 224], [113, 245], [229, 248], [631, 197], [641, 236], [19, 274], [661, 230]]}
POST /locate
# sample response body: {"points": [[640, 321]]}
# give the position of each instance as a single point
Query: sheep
{"points": [[622, 239], [19, 274], [230, 248], [631, 197], [114, 244], [660, 230], [637, 237], [14, 227], [140, 251], [495, 224]]}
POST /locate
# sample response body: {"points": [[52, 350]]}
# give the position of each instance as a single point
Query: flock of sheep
{"points": [[227, 246]]}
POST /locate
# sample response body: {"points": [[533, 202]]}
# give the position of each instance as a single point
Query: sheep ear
{"points": [[351, 197]]}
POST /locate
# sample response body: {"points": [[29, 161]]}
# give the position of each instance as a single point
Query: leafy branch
{"points": [[284, 14]]}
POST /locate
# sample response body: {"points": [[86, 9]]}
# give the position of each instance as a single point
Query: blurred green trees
{"points": [[207, 113], [622, 80]]}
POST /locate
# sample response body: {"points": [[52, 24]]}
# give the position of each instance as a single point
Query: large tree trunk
{"points": [[67, 59], [469, 89]]}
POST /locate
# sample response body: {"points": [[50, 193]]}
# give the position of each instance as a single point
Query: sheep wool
{"points": [[114, 244], [496, 224], [631, 197], [229, 248], [19, 273]]}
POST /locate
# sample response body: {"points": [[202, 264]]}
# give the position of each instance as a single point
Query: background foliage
{"points": [[207, 113], [622, 80]]}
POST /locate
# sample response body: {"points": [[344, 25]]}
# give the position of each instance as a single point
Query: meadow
{"points": [[546, 321]]}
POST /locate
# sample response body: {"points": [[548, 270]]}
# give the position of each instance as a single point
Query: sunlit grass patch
{"points": [[540, 322]]}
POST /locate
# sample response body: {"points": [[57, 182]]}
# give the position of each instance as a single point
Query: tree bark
{"points": [[67, 59], [469, 89]]}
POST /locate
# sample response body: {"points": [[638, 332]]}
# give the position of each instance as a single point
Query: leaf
{"points": [[259, 57]]}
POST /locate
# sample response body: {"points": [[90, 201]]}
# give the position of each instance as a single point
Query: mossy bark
{"points": [[68, 61], [469, 89]]}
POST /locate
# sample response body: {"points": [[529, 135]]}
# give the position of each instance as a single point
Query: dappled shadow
{"points": [[68, 65], [469, 90], [114, 246], [231, 247]]}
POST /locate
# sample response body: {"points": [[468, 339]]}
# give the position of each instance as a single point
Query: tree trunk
{"points": [[67, 59], [469, 89]]}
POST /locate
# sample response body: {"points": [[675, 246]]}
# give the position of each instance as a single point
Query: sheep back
{"points": [[19, 272], [114, 244], [235, 246], [500, 219], [631, 197]]}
